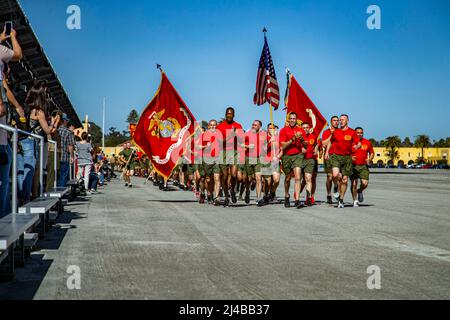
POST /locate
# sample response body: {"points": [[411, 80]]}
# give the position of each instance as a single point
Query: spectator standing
{"points": [[51, 176], [84, 152], [28, 166], [67, 151], [6, 55]]}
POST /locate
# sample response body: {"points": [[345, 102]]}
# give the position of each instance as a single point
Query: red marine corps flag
{"points": [[298, 101], [164, 127]]}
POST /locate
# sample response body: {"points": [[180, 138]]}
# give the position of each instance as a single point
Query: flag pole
{"points": [[159, 67], [268, 82]]}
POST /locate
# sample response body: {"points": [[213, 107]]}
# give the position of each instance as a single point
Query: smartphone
{"points": [[8, 28]]}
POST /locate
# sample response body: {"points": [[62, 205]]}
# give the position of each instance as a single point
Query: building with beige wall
{"points": [[405, 155], [410, 155]]}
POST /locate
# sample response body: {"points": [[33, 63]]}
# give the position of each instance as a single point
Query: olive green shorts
{"points": [[250, 167], [191, 168], [210, 168], [327, 166], [360, 172], [291, 162], [343, 163], [268, 169], [309, 165], [228, 158]]}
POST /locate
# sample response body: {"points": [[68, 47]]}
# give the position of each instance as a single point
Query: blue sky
{"points": [[393, 81]]}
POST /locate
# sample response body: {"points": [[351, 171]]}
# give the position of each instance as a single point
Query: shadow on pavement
{"points": [[30, 277]]}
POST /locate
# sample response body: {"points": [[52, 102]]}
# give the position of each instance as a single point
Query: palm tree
{"points": [[422, 141], [392, 144]]}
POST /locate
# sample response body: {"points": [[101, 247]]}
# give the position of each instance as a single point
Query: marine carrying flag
{"points": [[298, 101], [267, 89], [164, 127]]}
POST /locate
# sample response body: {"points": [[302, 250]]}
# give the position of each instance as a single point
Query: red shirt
{"points": [[343, 141], [311, 139], [286, 134], [213, 139], [257, 140], [326, 134], [230, 143], [360, 156]]}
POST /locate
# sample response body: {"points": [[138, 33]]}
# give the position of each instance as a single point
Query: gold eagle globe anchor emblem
{"points": [[163, 128]]}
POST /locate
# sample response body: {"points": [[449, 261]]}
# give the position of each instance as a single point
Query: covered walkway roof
{"points": [[35, 63]]}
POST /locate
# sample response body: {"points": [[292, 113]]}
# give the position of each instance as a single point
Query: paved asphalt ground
{"points": [[147, 244]]}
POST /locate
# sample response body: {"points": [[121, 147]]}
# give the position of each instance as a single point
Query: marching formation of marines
{"points": [[223, 164]]}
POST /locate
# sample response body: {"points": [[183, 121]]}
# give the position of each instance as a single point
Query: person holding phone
{"points": [[6, 55]]}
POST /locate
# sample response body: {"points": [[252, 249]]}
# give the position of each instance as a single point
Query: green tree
{"points": [[374, 142], [440, 144], [96, 133], [422, 141], [407, 143], [115, 138], [133, 117], [392, 144]]}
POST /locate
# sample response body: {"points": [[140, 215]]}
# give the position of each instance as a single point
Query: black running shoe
{"points": [[298, 204], [253, 185], [161, 186], [272, 197], [261, 202], [166, 188], [217, 202], [287, 202], [233, 197], [247, 198], [126, 185], [329, 199], [130, 186], [210, 199], [226, 203]]}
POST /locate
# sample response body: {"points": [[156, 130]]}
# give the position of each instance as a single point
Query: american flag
{"points": [[267, 89]]}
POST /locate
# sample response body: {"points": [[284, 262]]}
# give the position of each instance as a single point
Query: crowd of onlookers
{"points": [[142, 168], [34, 115]]}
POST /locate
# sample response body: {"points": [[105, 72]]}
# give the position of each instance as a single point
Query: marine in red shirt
{"points": [[293, 143], [270, 164], [326, 138], [232, 133], [345, 142], [310, 165], [210, 148], [250, 172], [361, 160]]}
